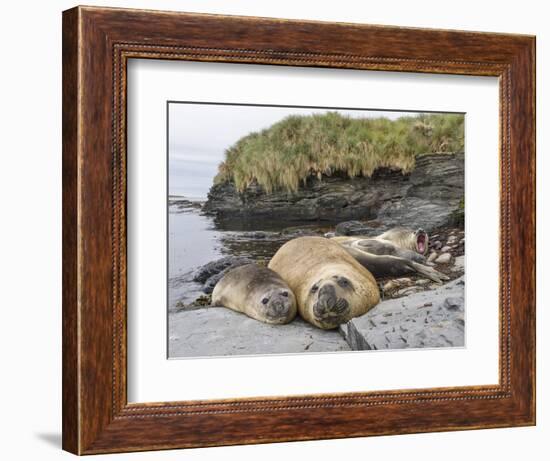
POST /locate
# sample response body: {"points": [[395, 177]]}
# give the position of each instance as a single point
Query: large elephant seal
{"points": [[394, 253], [257, 292], [331, 287]]}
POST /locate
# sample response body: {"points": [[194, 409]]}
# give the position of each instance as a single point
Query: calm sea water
{"points": [[195, 239], [192, 241]]}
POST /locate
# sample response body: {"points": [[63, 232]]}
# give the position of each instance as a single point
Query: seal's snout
{"points": [[329, 305], [327, 294], [280, 307]]}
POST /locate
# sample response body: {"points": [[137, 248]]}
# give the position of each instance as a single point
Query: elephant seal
{"points": [[331, 287], [394, 253], [407, 239], [257, 292], [401, 242]]}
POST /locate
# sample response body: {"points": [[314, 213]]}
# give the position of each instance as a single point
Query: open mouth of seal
{"points": [[421, 242]]}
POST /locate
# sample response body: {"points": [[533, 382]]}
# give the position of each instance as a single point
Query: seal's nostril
{"points": [[280, 307], [327, 290]]}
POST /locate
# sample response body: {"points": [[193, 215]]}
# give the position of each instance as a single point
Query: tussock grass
{"points": [[289, 152]]}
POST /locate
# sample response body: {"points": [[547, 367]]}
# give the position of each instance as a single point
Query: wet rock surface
{"points": [[210, 274], [182, 205], [428, 197], [426, 319], [217, 331]]}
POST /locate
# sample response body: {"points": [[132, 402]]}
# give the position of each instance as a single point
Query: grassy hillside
{"points": [[287, 153]]}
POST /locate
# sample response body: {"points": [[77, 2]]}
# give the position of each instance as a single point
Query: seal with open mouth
{"points": [[331, 287], [394, 253], [407, 239]]}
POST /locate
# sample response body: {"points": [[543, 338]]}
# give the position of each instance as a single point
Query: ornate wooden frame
{"points": [[97, 43]]}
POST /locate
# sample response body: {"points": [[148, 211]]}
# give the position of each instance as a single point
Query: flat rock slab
{"points": [[217, 331], [423, 320]]}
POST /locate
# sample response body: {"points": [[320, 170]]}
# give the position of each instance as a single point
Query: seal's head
{"points": [[331, 299], [408, 239], [421, 241], [277, 305]]}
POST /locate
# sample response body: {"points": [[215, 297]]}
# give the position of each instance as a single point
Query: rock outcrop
{"points": [[210, 274], [432, 318], [429, 197]]}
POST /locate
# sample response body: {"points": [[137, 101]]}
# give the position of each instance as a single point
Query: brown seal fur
{"points": [[257, 292], [331, 287]]}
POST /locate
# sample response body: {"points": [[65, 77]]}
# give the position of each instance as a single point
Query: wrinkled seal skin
{"points": [[394, 253], [257, 292], [331, 287]]}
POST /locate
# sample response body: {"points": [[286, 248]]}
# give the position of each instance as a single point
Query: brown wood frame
{"points": [[97, 43]]}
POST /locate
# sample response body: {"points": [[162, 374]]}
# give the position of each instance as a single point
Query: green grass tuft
{"points": [[285, 155]]}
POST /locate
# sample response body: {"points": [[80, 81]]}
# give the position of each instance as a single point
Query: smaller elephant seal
{"points": [[331, 287], [257, 292]]}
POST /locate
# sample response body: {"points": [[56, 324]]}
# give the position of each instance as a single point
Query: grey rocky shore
{"points": [[433, 318], [430, 196]]}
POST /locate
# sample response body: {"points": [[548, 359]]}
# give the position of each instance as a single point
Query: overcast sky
{"points": [[200, 133]]}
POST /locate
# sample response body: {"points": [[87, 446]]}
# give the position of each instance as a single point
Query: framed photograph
{"points": [[281, 230]]}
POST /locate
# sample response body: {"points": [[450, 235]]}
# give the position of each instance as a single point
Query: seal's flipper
{"points": [[429, 272], [381, 265], [392, 266], [375, 247], [384, 248], [410, 255]]}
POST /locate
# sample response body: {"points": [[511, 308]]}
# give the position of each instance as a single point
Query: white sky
{"points": [[200, 133]]}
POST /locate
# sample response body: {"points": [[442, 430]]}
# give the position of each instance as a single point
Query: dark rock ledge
{"points": [[428, 197]]}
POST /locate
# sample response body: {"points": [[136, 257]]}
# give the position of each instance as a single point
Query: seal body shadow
{"points": [[257, 292], [331, 287]]}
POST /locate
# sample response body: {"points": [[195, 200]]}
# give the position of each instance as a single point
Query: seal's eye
{"points": [[343, 282], [285, 294], [265, 301], [314, 288]]}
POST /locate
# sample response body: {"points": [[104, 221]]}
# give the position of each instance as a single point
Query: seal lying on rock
{"points": [[396, 252], [257, 292], [331, 287]]}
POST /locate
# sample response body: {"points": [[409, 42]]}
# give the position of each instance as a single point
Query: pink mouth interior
{"points": [[421, 243]]}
